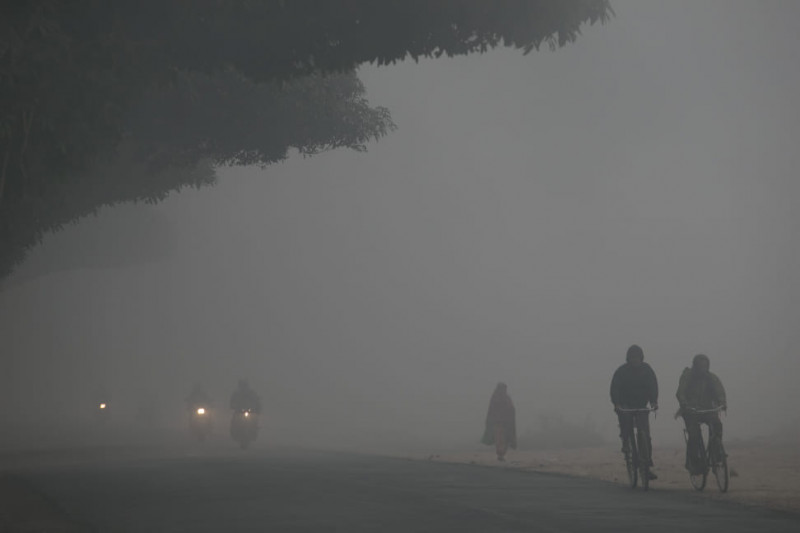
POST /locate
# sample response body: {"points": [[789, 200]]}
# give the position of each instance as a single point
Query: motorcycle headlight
{"points": [[246, 414], [201, 411], [102, 406]]}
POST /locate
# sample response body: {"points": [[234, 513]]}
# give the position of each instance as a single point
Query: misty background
{"points": [[531, 218]]}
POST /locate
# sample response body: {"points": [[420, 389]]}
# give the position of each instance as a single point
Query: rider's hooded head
{"points": [[500, 392], [635, 355], [700, 364]]}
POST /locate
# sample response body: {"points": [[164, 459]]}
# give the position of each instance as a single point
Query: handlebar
{"points": [[717, 409]]}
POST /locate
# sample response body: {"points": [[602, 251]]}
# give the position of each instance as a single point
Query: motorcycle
{"points": [[103, 413], [200, 422], [244, 427]]}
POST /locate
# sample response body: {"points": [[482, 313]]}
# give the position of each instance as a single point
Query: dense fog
{"points": [[531, 217]]}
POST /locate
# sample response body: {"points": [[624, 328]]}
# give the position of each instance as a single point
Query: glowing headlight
{"points": [[102, 406], [246, 413], [201, 411]]}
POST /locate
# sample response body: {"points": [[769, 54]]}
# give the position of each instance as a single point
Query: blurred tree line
{"points": [[174, 88]]}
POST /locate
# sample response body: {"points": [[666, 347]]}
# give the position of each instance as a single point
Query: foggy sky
{"points": [[531, 218]]}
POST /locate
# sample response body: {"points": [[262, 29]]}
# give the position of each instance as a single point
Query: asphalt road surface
{"points": [[215, 490]]}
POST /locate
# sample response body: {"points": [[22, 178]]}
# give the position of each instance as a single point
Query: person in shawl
{"points": [[501, 424]]}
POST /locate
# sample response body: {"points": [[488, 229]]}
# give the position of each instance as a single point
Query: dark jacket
{"points": [[701, 391], [632, 387]]}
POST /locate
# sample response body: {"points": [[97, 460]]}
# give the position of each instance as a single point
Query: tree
{"points": [[176, 137], [83, 81], [231, 120]]}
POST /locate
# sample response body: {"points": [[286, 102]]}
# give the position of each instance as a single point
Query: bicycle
{"points": [[711, 456], [637, 452]]}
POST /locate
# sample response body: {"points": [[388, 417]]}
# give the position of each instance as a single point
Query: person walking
{"points": [[501, 424]]}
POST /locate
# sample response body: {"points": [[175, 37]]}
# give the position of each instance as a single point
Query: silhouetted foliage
{"points": [[175, 83]]}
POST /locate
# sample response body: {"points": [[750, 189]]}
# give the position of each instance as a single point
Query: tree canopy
{"points": [[176, 87]]}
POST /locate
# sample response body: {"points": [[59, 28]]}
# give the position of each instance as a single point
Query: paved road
{"points": [[224, 491]]}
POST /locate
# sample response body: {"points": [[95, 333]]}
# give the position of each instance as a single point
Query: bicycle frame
{"points": [[711, 453], [638, 453]]}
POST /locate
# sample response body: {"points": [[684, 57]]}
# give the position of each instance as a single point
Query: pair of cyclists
{"points": [[634, 386]]}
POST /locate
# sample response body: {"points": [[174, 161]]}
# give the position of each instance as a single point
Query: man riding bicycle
{"points": [[634, 385], [700, 390]]}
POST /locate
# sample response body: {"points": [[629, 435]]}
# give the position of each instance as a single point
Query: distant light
{"points": [[201, 411], [246, 413], [102, 406]]}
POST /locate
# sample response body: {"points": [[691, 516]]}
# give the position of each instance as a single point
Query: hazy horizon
{"points": [[531, 218]]}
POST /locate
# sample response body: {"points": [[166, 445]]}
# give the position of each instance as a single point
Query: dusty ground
{"points": [[761, 475]]}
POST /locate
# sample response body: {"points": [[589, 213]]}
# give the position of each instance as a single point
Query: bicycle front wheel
{"points": [[720, 469], [698, 481], [644, 459], [630, 464], [699, 473], [645, 475]]}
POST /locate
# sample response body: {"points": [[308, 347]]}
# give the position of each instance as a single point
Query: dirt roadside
{"points": [[765, 476]]}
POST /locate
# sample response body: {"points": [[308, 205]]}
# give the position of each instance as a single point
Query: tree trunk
{"points": [[3, 173], [27, 122]]}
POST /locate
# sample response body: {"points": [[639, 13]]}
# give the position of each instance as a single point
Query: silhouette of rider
{"points": [[634, 385], [197, 398], [245, 398], [699, 388]]}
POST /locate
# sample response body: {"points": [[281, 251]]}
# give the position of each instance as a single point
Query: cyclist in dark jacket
{"points": [[700, 389], [633, 386]]}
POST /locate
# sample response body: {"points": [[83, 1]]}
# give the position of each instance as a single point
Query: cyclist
{"points": [[633, 386], [700, 389]]}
